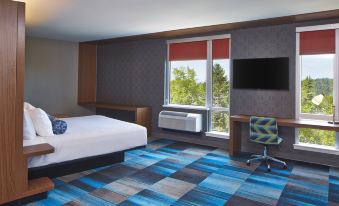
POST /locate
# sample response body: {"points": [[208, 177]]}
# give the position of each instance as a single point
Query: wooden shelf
{"points": [[43, 184], [14, 184], [36, 150], [142, 114], [37, 186], [122, 107], [59, 116]]}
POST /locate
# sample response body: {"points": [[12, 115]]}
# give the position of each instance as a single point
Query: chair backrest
{"points": [[264, 130]]}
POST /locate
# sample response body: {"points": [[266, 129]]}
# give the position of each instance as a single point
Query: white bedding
{"points": [[89, 136]]}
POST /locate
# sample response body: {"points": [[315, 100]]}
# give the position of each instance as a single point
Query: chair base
{"points": [[267, 159]]}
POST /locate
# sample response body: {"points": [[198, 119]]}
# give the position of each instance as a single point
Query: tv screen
{"points": [[266, 73]]}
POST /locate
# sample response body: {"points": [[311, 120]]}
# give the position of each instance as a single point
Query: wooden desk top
{"points": [[297, 123], [36, 150], [114, 106]]}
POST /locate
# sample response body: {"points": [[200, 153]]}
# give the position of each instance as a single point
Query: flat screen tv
{"points": [[265, 73]]}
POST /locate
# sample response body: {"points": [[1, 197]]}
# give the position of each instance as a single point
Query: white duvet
{"points": [[89, 136]]}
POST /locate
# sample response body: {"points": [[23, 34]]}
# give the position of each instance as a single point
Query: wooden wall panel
{"points": [[20, 73], [87, 79], [13, 180]]}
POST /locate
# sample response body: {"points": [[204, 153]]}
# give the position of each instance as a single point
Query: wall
{"points": [[51, 76], [133, 73], [265, 42]]}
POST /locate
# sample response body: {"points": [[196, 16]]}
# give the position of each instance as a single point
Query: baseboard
{"points": [[194, 139]]}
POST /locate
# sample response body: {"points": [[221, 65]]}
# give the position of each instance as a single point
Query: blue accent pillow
{"points": [[59, 126], [52, 118]]}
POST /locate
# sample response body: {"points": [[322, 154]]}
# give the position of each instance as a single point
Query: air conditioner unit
{"points": [[183, 121]]}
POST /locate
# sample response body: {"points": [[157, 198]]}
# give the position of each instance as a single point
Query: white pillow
{"points": [[29, 130], [28, 106], [42, 124]]}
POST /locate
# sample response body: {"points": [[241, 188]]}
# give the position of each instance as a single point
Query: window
{"points": [[317, 77], [187, 63], [198, 77], [317, 137], [317, 73], [220, 86], [188, 82]]}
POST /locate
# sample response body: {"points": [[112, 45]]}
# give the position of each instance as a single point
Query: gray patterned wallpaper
{"points": [[133, 73], [264, 42]]}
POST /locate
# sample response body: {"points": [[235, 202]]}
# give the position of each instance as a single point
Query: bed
{"points": [[89, 141]]}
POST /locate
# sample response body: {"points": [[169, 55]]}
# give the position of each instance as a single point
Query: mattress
{"points": [[89, 136]]}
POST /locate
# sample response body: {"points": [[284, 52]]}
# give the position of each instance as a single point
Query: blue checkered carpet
{"points": [[176, 173]]}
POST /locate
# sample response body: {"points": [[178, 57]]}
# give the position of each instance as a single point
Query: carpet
{"points": [[167, 172]]}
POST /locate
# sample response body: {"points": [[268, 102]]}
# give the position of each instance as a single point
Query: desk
{"points": [[236, 120], [142, 114]]}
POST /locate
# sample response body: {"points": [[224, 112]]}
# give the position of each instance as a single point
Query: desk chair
{"points": [[264, 130]]}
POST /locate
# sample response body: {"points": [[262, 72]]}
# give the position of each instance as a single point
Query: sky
{"points": [[200, 67], [317, 66]]}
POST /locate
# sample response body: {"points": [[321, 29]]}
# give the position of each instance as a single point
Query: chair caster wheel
{"points": [[268, 168], [248, 163]]}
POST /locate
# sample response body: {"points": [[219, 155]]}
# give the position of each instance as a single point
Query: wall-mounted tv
{"points": [[265, 73]]}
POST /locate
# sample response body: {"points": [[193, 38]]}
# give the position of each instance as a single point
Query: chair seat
{"points": [[268, 143]]}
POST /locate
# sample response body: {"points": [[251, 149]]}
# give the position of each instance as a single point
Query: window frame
{"points": [[298, 114], [209, 69], [218, 109]]}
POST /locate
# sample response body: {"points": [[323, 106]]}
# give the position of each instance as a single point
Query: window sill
{"points": [[316, 148], [221, 135], [321, 117], [177, 106]]}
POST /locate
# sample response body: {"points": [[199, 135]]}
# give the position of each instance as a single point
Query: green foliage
{"points": [[220, 121], [324, 86], [310, 88], [220, 87], [185, 90], [220, 98], [314, 136]]}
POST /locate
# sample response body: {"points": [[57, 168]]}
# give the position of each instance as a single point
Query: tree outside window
{"points": [[317, 78]]}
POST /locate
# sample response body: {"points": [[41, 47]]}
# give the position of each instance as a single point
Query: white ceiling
{"points": [[84, 20]]}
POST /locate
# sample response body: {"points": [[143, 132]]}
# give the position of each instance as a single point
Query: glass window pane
{"points": [[188, 82], [220, 121], [220, 83], [319, 137], [317, 80]]}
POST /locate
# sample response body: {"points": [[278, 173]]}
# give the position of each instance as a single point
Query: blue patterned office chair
{"points": [[264, 130]]}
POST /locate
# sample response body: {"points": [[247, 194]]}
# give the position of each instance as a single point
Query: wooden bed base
{"points": [[74, 166], [78, 165]]}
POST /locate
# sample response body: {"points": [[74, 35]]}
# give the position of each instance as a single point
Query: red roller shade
{"points": [[221, 49], [317, 42], [188, 51]]}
